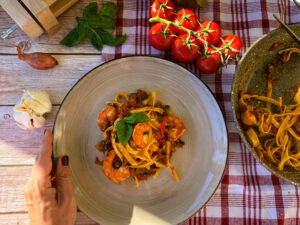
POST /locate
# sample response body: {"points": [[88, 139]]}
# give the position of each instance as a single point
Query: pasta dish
{"points": [[140, 136], [274, 128]]}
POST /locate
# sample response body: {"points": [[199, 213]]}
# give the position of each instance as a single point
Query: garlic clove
{"points": [[23, 120], [38, 121], [38, 101], [30, 111]]}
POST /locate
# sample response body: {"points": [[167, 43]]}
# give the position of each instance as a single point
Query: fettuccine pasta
{"points": [[274, 134], [155, 132]]}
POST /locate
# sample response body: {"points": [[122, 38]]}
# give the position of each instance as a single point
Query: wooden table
{"points": [[18, 147]]}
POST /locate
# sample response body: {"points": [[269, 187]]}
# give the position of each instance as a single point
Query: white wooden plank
{"points": [[16, 75], [12, 183], [22, 219], [12, 202], [18, 146]]}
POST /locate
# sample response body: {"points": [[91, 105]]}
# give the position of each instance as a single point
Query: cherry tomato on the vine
{"points": [[185, 51], [156, 38], [209, 31], [188, 19], [231, 45], [167, 11], [209, 63]]}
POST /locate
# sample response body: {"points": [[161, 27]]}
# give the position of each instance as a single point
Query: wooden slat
{"points": [[43, 14], [16, 75], [12, 201], [21, 17], [12, 183], [18, 146], [49, 2], [22, 219], [46, 43], [61, 6]]}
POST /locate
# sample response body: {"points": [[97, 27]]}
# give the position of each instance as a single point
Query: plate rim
{"points": [[233, 108], [54, 160]]}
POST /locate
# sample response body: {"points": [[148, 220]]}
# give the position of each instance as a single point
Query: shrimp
{"points": [[174, 127], [138, 133], [106, 117], [113, 168]]}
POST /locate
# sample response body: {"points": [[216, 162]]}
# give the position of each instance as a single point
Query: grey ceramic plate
{"points": [[250, 76], [200, 163]]}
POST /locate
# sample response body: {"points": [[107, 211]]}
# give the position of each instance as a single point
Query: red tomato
{"points": [[190, 20], [231, 45], [185, 52], [209, 63], [167, 11], [209, 31], [157, 40]]}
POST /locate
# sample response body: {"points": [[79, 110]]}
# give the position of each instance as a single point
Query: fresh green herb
{"points": [[125, 126], [109, 10], [95, 39], [76, 35], [136, 118], [124, 131], [109, 39], [96, 25]]}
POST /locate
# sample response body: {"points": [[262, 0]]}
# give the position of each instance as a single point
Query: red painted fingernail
{"points": [[65, 160], [53, 181]]}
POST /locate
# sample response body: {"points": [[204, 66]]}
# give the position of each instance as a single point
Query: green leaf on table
{"points": [[124, 131], [109, 39], [90, 9], [109, 9], [137, 118], [101, 21], [95, 39], [76, 35], [96, 25]]}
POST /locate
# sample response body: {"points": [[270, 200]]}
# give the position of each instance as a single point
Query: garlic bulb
{"points": [[30, 111]]}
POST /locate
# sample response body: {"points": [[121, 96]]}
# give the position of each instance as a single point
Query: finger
{"points": [[65, 193], [43, 163]]}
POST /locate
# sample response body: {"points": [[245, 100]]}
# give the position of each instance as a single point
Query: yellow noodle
{"points": [[156, 173], [147, 109], [126, 154], [253, 137], [121, 95], [137, 182], [113, 103], [105, 135]]}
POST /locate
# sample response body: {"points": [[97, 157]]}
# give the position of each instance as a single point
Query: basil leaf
{"points": [[109, 9], [76, 35], [90, 9], [109, 39], [101, 21], [124, 131], [95, 39], [137, 118]]}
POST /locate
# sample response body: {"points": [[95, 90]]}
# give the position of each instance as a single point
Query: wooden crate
{"points": [[36, 16]]}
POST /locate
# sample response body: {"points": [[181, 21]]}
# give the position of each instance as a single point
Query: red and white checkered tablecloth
{"points": [[249, 193]]}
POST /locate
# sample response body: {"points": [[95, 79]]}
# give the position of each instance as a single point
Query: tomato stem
{"points": [[223, 51], [189, 32]]}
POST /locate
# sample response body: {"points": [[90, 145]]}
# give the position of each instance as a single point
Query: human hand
{"points": [[48, 205]]}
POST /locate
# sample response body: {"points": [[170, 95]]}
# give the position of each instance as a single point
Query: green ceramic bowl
{"points": [[251, 77]]}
